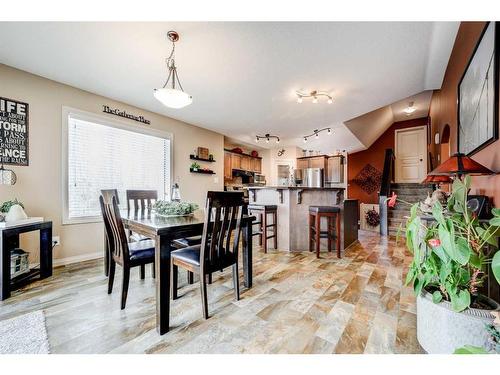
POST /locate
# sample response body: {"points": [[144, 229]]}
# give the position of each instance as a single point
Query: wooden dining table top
{"points": [[160, 224]]}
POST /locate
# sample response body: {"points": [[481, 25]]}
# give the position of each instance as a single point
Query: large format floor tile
{"points": [[299, 304]]}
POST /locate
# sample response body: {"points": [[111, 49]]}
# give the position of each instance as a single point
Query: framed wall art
{"points": [[478, 95], [14, 122]]}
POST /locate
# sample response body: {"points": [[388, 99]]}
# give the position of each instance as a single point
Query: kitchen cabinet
{"points": [[235, 161], [317, 162], [242, 162], [256, 165], [302, 163], [245, 163], [228, 171]]}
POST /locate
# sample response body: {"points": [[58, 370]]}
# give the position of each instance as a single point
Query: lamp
{"points": [[459, 165], [173, 97], [440, 179], [313, 94], [267, 137], [316, 132]]}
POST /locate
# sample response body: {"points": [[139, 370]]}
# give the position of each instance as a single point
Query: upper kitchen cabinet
{"points": [[228, 171], [236, 161], [256, 165], [245, 163]]}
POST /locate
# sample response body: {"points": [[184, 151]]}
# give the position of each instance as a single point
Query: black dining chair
{"points": [[219, 244], [125, 254]]}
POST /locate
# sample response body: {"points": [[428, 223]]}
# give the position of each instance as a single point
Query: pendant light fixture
{"points": [[169, 95]]}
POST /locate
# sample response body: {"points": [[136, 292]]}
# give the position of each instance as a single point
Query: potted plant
{"points": [[195, 166], [450, 255]]}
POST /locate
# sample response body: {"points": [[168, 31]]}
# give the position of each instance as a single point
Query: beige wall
{"points": [[39, 186]]}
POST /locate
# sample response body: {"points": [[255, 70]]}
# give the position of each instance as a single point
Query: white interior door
{"points": [[411, 154]]}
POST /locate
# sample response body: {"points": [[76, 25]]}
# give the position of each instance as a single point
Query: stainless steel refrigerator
{"points": [[310, 177]]}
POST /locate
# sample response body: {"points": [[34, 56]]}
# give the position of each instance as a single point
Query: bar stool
{"points": [[315, 233], [263, 210]]}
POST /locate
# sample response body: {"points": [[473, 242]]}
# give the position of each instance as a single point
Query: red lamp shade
{"points": [[441, 179], [459, 164]]}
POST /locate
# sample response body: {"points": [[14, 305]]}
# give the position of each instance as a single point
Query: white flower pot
{"points": [[440, 330], [15, 213]]}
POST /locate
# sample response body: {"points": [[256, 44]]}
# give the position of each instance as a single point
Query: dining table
{"points": [[165, 229]]}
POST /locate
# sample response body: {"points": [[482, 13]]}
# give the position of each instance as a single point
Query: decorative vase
{"points": [[15, 213], [440, 330]]}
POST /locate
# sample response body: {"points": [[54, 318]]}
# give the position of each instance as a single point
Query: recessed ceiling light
{"points": [[410, 109]]}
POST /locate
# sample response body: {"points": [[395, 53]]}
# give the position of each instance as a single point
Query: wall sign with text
{"points": [[14, 147], [122, 113]]}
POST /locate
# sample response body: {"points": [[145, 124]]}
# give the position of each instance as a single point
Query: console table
{"points": [[9, 240]]}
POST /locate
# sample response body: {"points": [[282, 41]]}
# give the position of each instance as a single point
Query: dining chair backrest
{"points": [[223, 214], [107, 194], [142, 199], [115, 230]]}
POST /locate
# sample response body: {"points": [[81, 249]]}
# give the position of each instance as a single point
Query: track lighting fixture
{"points": [[316, 132], [313, 94], [267, 137]]}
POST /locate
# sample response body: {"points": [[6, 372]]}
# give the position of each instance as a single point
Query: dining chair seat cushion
{"points": [[191, 255], [134, 237], [324, 209], [188, 241], [142, 250]]}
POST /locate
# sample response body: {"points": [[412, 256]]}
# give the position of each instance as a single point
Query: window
{"points": [[104, 155]]}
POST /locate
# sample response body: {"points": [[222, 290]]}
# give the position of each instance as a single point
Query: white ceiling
{"points": [[368, 127], [243, 75]]}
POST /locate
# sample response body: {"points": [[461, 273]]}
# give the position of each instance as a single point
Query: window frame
{"points": [[106, 121]]}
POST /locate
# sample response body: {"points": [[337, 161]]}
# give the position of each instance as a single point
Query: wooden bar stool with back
{"points": [[262, 211], [331, 213]]}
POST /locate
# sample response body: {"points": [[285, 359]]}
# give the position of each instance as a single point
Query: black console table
{"points": [[10, 240]]}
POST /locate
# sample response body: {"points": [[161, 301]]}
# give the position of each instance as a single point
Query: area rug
{"points": [[25, 334]]}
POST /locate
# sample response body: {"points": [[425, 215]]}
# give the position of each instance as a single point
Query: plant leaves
{"points": [[437, 212], [495, 265], [441, 254], [475, 260], [495, 211], [460, 301], [437, 297], [469, 349], [463, 251], [495, 221]]}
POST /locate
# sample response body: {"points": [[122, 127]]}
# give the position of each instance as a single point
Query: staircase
{"points": [[410, 193]]}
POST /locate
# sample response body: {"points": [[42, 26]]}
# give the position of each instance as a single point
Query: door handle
{"points": [[421, 159]]}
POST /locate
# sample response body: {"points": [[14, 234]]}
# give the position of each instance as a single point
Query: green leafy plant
{"points": [[195, 166], [450, 254], [174, 208], [5, 207]]}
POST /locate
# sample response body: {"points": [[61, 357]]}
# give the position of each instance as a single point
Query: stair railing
{"points": [[385, 190]]}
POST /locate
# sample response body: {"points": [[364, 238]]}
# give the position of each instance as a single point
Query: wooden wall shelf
{"points": [[201, 171], [192, 157]]}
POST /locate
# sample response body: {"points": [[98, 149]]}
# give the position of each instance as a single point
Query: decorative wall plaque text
{"points": [[14, 147], [120, 113]]}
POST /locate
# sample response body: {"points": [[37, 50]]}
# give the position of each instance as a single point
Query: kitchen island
{"points": [[293, 213]]}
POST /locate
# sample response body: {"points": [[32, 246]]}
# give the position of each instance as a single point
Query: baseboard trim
{"points": [[77, 259]]}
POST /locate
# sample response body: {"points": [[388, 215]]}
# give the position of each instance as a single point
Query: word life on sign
{"points": [[120, 113], [14, 147]]}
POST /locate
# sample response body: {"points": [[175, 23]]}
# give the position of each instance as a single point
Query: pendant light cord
{"points": [[172, 69]]}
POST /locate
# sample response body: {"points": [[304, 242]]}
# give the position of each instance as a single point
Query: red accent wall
{"points": [[444, 110], [374, 155]]}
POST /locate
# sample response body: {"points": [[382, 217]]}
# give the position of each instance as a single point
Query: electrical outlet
{"points": [[56, 241]]}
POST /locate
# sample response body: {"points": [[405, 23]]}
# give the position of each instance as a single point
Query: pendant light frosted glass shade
{"points": [[173, 98]]}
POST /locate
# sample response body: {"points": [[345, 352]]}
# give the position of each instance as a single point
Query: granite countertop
{"points": [[294, 188]]}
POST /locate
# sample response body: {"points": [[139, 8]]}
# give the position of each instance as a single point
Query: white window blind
{"points": [[107, 157]]}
